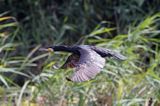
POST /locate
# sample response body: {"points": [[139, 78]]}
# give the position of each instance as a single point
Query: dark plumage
{"points": [[87, 60]]}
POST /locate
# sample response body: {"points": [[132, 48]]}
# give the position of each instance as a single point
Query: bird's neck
{"points": [[63, 48]]}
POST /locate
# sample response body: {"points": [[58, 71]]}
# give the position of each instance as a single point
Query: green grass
{"points": [[121, 83]]}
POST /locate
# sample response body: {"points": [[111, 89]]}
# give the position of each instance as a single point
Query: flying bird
{"points": [[87, 60]]}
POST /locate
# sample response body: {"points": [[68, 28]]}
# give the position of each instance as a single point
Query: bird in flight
{"points": [[87, 60]]}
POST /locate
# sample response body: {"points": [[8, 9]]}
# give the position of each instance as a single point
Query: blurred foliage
{"points": [[130, 27]]}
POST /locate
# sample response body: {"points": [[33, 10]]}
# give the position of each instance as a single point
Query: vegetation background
{"points": [[130, 27]]}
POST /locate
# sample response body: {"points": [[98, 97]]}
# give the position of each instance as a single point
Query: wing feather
{"points": [[89, 65]]}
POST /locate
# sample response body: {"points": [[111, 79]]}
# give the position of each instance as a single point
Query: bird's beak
{"points": [[46, 49]]}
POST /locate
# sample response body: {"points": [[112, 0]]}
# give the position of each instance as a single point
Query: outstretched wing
{"points": [[108, 53], [89, 65]]}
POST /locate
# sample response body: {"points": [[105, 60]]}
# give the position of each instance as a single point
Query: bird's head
{"points": [[47, 49]]}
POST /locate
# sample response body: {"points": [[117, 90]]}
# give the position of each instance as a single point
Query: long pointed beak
{"points": [[46, 49]]}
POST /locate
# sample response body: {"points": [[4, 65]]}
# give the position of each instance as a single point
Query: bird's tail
{"points": [[118, 56], [108, 53]]}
